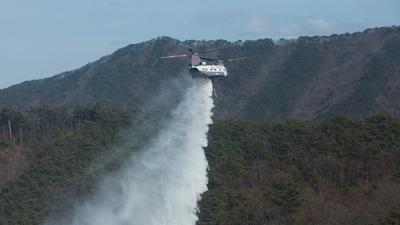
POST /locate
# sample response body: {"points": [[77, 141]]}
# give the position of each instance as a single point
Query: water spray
{"points": [[162, 183]]}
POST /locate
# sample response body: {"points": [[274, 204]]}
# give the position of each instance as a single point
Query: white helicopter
{"points": [[199, 68]]}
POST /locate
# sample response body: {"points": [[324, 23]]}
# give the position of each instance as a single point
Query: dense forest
{"points": [[50, 156], [334, 171], [338, 171]]}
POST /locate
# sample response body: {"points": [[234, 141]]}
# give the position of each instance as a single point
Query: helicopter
{"points": [[199, 68]]}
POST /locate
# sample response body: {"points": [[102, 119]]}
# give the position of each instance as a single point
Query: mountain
{"points": [[310, 77], [340, 170]]}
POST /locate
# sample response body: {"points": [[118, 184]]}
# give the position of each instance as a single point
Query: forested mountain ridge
{"points": [[311, 77]]}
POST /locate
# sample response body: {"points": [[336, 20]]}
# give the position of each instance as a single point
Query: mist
{"points": [[161, 183]]}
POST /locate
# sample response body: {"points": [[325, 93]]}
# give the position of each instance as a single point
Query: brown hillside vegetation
{"points": [[311, 77], [12, 163]]}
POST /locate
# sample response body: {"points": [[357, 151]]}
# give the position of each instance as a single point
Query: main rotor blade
{"points": [[173, 56]]}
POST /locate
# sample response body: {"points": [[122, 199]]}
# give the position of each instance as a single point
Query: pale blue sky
{"points": [[39, 38]]}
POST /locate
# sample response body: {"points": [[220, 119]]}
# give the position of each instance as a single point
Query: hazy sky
{"points": [[39, 38]]}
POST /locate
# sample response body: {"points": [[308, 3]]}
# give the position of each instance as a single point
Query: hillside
{"points": [[62, 155], [337, 171], [312, 77]]}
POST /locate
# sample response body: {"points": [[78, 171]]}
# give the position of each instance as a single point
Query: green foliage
{"points": [[297, 172], [62, 160], [300, 172], [15, 118], [392, 219]]}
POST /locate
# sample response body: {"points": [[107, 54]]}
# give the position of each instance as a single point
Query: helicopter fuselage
{"points": [[208, 71]]}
